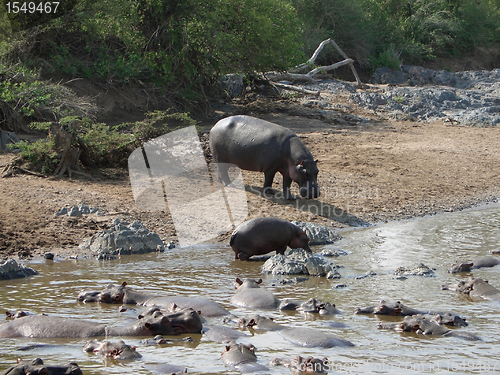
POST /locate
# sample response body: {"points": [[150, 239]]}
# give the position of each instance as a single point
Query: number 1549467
{"points": [[32, 7]]}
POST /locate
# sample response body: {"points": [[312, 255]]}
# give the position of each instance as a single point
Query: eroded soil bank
{"points": [[370, 172]]}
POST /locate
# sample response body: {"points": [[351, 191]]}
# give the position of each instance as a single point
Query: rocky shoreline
{"points": [[470, 98]]}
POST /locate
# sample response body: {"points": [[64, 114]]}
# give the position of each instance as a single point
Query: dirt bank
{"points": [[371, 172]]}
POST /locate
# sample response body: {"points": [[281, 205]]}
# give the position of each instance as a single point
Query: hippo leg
{"points": [[281, 251], [268, 181], [222, 168], [243, 256], [287, 181]]}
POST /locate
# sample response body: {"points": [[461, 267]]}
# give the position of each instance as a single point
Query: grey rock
{"points": [[62, 211], [329, 252], [470, 98], [10, 269], [74, 212], [232, 84], [7, 138], [84, 209], [298, 262], [123, 239], [318, 234], [419, 270]]}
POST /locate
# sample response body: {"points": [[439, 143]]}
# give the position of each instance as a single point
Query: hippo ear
{"points": [[316, 161], [238, 280], [124, 284], [260, 281]]}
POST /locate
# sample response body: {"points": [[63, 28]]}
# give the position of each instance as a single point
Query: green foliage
{"points": [[25, 93], [343, 21], [390, 58], [41, 153], [101, 141], [105, 145], [424, 29], [158, 123]]}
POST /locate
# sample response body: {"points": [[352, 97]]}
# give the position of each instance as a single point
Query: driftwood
{"points": [[309, 77], [68, 150]]}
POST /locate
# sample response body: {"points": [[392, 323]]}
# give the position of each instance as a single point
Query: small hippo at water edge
{"points": [[265, 234], [37, 367], [257, 145]]}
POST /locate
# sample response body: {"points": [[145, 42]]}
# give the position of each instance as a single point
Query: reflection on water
{"points": [[210, 271]]}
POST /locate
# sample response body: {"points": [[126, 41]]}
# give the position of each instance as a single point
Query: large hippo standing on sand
{"points": [[265, 234], [257, 145]]}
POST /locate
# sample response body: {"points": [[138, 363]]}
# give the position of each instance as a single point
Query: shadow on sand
{"points": [[313, 206]]}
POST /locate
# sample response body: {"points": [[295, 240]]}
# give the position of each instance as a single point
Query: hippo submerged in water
{"points": [[182, 321], [475, 288], [257, 145], [112, 349], [120, 294], [37, 367], [250, 294], [421, 324], [479, 262], [265, 234]]}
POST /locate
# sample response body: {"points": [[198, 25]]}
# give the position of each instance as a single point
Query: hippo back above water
{"points": [[257, 145]]}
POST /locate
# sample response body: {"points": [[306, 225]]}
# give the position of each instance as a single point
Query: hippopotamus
{"points": [[250, 294], [398, 309], [235, 354], [476, 288], [222, 334], [312, 338], [265, 234], [183, 321], [166, 368], [120, 294], [312, 305], [257, 145], [479, 262], [299, 364], [389, 308], [242, 357], [37, 367], [260, 323], [17, 314], [420, 324], [112, 349]]}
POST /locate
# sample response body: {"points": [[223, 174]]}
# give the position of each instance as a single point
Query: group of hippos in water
{"points": [[178, 315], [257, 145]]}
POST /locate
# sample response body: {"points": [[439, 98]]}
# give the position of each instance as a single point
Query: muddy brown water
{"points": [[210, 271]]}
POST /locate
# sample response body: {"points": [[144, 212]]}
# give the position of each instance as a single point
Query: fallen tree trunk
{"points": [[309, 77]]}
